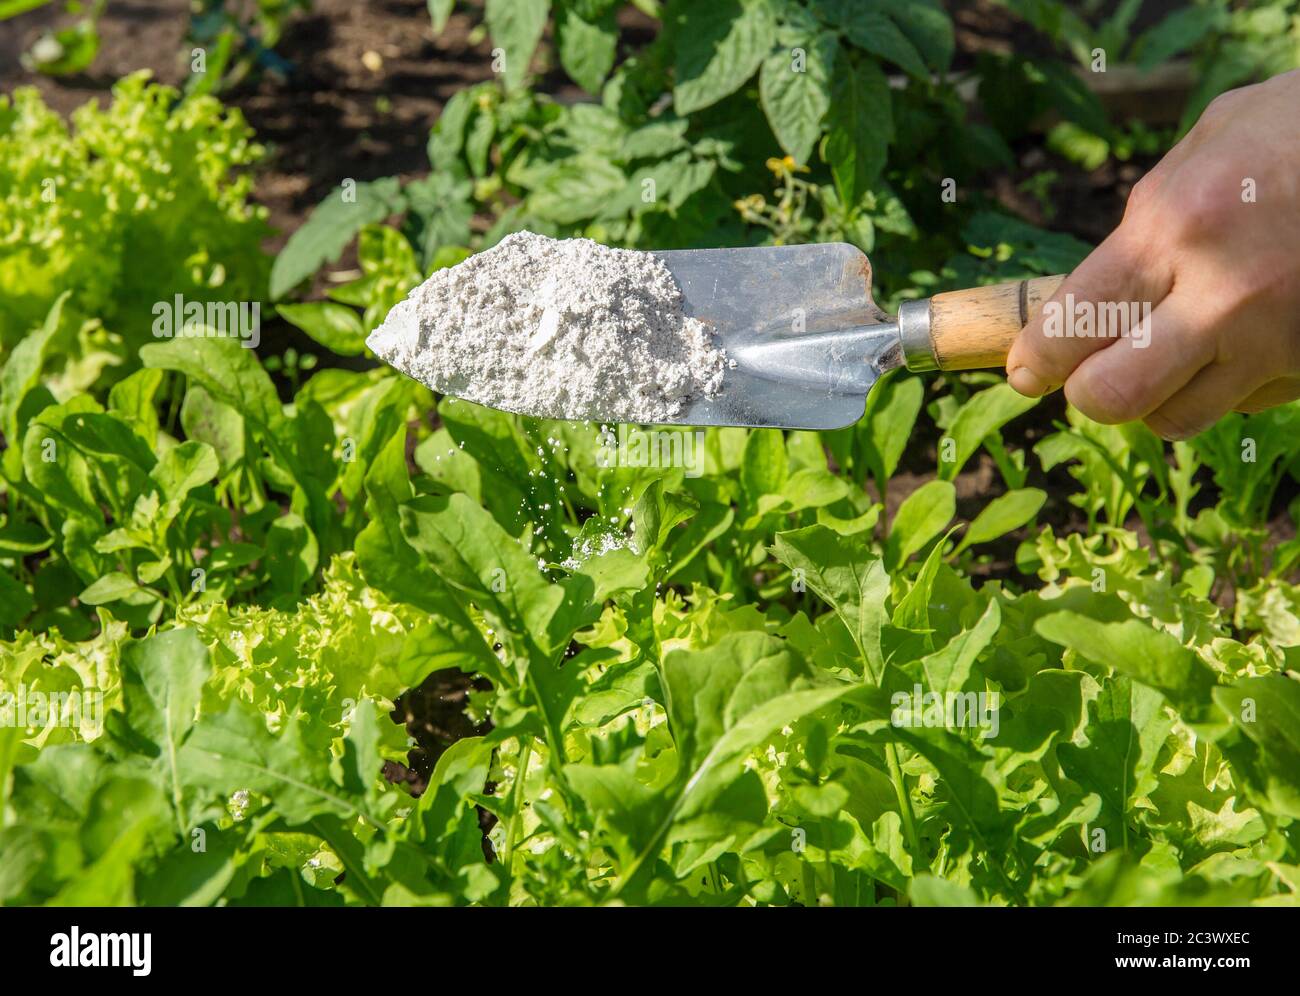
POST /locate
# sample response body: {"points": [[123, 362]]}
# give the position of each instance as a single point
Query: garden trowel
{"points": [[809, 342], [806, 342]]}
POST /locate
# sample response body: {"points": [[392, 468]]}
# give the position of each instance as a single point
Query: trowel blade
{"points": [[799, 322]]}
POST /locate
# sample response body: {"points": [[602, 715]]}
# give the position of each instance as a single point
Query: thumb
{"points": [[1119, 270]]}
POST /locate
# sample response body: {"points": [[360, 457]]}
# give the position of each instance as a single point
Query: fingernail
{"points": [[1028, 383]]}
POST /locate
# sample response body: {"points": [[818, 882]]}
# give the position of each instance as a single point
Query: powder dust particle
{"points": [[566, 329]]}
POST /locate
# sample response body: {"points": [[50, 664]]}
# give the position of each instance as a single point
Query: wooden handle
{"points": [[973, 329]]}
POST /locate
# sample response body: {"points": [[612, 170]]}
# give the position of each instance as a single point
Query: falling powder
{"points": [[587, 547], [557, 329]]}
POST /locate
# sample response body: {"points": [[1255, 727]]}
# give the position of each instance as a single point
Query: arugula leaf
{"points": [[984, 413], [162, 683], [332, 325], [1002, 515], [1136, 649], [920, 518], [1127, 727], [854, 584]]}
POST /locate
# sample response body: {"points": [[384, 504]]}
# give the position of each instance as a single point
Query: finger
{"points": [[1274, 393], [1050, 347], [1206, 398], [1145, 368]]}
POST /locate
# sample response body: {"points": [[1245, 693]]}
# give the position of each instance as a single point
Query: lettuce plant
{"points": [[125, 206]]}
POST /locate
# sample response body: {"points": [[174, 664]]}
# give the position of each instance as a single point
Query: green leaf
{"points": [[928, 890], [1136, 649], [292, 553], [59, 473], [447, 137], [132, 400], [765, 467], [656, 515], [920, 518], [718, 47], [675, 179], [969, 784], [927, 26], [12, 8], [445, 822], [439, 11], [22, 369], [724, 701], [575, 189], [913, 610], [234, 751], [122, 816], [207, 420], [795, 90], [186, 878], [226, 370], [162, 684], [1267, 711], [387, 561], [332, 225], [1127, 726], [23, 538], [110, 588], [891, 411], [445, 643], [336, 327], [984, 413], [812, 487], [1179, 31], [441, 208], [860, 126], [1078, 145], [1002, 515], [870, 27], [947, 669], [119, 459], [183, 468], [16, 601], [467, 548], [516, 26], [587, 48], [844, 575], [1072, 98]]}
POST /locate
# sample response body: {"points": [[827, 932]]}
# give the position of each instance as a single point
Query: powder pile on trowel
{"points": [[557, 329]]}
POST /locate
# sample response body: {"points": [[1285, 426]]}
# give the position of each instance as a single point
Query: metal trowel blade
{"points": [[799, 323]]}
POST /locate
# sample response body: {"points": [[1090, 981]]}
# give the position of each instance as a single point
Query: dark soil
{"points": [[435, 716]]}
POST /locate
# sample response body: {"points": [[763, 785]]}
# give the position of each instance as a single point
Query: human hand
{"points": [[1211, 239]]}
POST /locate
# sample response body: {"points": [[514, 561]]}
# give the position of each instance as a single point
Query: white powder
{"points": [[557, 329], [587, 547]]}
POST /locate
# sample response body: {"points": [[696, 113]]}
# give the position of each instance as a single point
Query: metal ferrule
{"points": [[914, 333]]}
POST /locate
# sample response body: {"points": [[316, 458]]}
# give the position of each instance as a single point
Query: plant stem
{"points": [[904, 804], [517, 800]]}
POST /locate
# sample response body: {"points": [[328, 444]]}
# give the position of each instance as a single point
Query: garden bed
{"points": [[385, 647]]}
